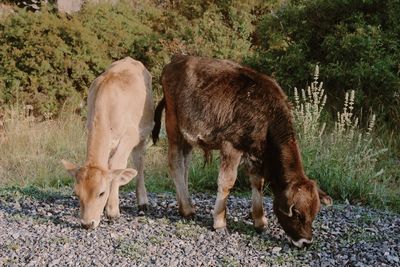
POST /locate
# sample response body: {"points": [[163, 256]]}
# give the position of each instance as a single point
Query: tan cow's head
{"points": [[296, 208], [92, 186]]}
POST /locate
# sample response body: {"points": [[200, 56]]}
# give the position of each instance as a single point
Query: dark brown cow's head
{"points": [[296, 208]]}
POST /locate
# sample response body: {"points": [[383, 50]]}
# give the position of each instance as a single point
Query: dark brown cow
{"points": [[221, 105]]}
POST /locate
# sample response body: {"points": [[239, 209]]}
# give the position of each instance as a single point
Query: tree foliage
{"points": [[355, 42], [50, 59]]}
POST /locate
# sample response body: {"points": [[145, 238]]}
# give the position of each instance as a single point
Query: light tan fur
{"points": [[120, 117]]}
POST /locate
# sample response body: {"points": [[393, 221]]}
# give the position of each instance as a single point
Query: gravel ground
{"points": [[42, 229]]}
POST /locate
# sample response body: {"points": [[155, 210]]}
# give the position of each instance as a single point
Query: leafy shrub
{"points": [[47, 60], [356, 41], [119, 31]]}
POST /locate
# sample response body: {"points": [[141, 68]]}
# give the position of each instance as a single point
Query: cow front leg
{"points": [[112, 206], [230, 159], [257, 185], [119, 160]]}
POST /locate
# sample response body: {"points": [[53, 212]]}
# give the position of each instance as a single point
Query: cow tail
{"points": [[207, 157], [157, 120]]}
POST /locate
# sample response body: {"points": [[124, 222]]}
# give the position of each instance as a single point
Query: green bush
{"points": [[356, 41], [118, 31], [47, 60]]}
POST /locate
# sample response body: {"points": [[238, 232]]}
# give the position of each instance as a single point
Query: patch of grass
{"points": [[229, 261], [130, 249], [18, 217], [241, 227], [188, 229], [283, 259], [364, 219], [355, 235], [38, 193], [10, 261], [60, 240], [260, 243], [12, 246], [155, 240]]}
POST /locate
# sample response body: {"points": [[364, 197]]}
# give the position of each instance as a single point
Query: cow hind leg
{"points": [[187, 156], [260, 221], [178, 161], [230, 159], [138, 156], [178, 172]]}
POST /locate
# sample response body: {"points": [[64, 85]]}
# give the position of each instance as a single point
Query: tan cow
{"points": [[120, 117]]}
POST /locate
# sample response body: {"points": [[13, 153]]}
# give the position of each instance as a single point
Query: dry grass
{"points": [[30, 152]]}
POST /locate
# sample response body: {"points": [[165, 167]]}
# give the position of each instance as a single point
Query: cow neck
{"points": [[283, 159], [98, 145]]}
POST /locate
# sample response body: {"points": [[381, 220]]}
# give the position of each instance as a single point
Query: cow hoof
{"points": [[222, 231], [143, 207], [113, 215], [260, 229], [260, 224], [187, 213]]}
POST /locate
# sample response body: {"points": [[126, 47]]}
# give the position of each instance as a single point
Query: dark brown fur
{"points": [[211, 102]]}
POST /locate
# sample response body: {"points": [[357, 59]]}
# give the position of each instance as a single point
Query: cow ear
{"points": [[324, 198], [70, 167], [123, 176]]}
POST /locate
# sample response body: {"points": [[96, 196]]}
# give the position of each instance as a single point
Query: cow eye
{"points": [[298, 214], [101, 194]]}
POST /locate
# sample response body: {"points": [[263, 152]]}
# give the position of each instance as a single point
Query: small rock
{"points": [[15, 235], [113, 235], [54, 263], [392, 258], [276, 249]]}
